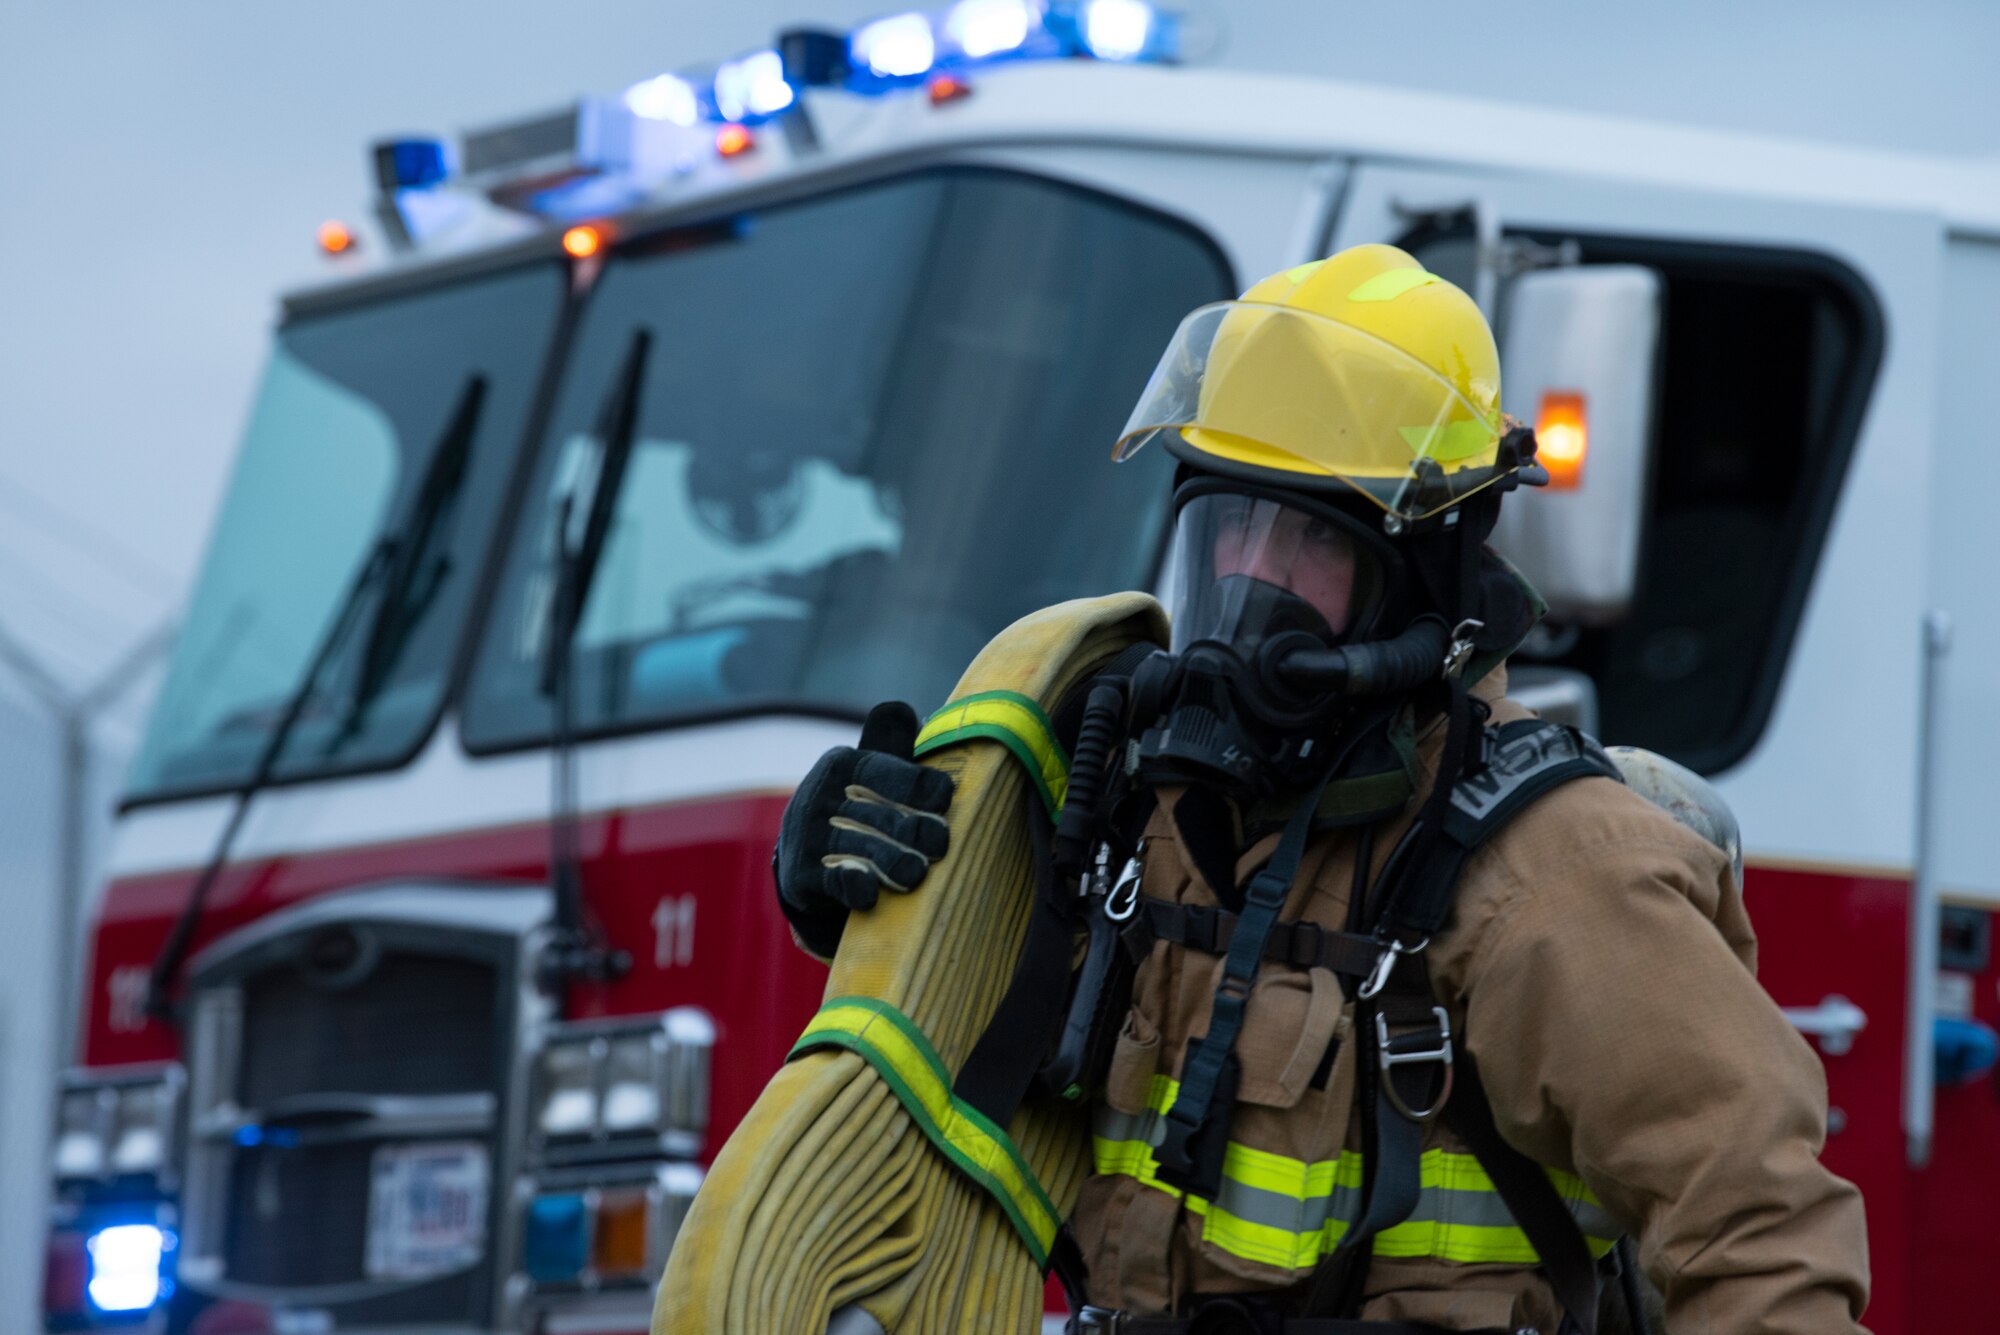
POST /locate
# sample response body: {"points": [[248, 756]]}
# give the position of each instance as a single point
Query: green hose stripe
{"points": [[1017, 723], [917, 1076]]}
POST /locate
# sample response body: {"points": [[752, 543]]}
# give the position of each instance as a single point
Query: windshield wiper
{"points": [[419, 566], [574, 950], [440, 481]]}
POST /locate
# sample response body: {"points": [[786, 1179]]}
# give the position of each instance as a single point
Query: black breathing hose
{"points": [[1379, 667], [1088, 771]]}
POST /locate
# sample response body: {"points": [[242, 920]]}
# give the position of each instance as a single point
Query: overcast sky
{"points": [[163, 166]]}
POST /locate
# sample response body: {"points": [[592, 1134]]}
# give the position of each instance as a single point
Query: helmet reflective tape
{"points": [[1284, 1212], [890, 1042], [1391, 284], [1449, 443]]}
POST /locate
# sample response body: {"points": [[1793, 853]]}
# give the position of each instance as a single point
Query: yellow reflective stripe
{"points": [[1470, 1244], [1291, 1177], [1450, 442], [1392, 283], [1017, 723], [891, 1043], [1456, 1192], [1299, 272]]}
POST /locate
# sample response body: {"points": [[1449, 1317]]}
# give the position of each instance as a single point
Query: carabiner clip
{"points": [[1460, 652], [1378, 977], [1123, 901]]}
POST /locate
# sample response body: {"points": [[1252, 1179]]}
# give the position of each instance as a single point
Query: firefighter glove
{"points": [[866, 817]]}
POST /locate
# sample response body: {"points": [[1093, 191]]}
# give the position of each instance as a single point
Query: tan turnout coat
{"points": [[1601, 968]]}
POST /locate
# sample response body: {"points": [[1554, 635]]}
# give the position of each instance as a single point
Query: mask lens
{"points": [[1250, 567]]}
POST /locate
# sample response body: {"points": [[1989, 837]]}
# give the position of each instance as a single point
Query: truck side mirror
{"points": [[1579, 353]]}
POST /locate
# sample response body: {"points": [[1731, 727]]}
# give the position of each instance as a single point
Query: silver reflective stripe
{"points": [[1291, 1213], [1108, 1123]]}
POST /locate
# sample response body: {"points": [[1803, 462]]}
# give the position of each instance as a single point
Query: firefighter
{"points": [[1430, 1011]]}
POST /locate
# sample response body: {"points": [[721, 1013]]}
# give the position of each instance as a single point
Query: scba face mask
{"points": [[1259, 575]]}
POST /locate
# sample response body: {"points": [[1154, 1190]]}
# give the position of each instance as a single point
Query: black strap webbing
{"points": [[1066, 1264], [1002, 1064], [1522, 761], [1001, 1067], [1180, 1158], [1211, 930], [1398, 1152], [1636, 1314], [1530, 1197]]}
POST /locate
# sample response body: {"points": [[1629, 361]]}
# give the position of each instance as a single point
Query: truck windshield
{"points": [[352, 409], [871, 430]]}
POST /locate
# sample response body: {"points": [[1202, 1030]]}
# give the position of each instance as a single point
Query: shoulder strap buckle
{"points": [[1420, 1047]]}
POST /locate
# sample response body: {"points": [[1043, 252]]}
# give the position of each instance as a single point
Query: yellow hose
{"points": [[828, 1193]]}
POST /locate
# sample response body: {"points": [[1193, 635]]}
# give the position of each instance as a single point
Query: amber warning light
{"points": [[580, 243], [335, 238], [1562, 438]]}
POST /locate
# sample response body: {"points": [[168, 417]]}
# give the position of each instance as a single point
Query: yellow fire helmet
{"points": [[1363, 368]]}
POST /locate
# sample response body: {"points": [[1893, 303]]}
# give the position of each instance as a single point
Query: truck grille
{"points": [[331, 1044], [418, 1024], [270, 1187]]}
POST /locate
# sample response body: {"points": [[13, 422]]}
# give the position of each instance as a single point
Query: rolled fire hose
{"points": [[830, 1196]]}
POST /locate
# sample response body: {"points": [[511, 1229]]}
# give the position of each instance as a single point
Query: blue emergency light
{"points": [[908, 48], [129, 1265], [410, 164]]}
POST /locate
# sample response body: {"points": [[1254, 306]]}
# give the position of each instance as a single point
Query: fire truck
{"points": [[631, 452]]}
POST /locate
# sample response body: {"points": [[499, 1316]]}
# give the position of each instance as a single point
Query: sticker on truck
{"points": [[426, 1209]]}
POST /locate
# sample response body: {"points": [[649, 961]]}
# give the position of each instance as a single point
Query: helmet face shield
{"points": [[1249, 566], [1285, 390]]}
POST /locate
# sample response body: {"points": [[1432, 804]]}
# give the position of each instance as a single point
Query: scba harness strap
{"points": [[1414, 1071], [1409, 1057]]}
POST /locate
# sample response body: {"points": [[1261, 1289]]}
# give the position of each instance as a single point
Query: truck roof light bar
{"points": [[578, 162], [906, 49]]}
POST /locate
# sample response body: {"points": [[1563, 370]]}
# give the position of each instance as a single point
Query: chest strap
{"points": [[1211, 930]]}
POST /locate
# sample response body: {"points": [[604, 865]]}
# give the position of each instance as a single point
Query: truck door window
{"points": [[351, 407], [1767, 358], [874, 428]]}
